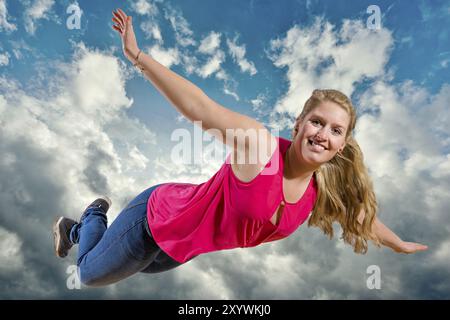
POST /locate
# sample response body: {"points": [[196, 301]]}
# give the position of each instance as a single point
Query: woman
{"points": [[246, 203]]}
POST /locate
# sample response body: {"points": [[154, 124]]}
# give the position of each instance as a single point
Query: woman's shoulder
{"points": [[247, 172]]}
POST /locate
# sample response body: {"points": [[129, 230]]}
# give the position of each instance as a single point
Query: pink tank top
{"points": [[224, 212]]}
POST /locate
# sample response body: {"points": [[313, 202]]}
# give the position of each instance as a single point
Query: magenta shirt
{"points": [[224, 212]]}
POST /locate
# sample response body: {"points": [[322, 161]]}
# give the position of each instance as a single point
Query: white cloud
{"points": [[20, 49], [204, 160], [167, 57], [238, 54], [210, 44], [137, 159], [442, 253], [149, 26], [321, 57], [190, 63], [222, 75], [445, 63], [282, 277], [152, 30], [144, 7], [183, 33], [4, 24], [212, 65], [38, 10], [4, 59], [407, 147], [79, 141], [216, 288], [231, 93], [402, 130], [11, 257], [85, 124], [258, 102]]}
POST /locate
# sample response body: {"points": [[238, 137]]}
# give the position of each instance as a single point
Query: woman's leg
{"points": [[162, 262], [107, 255]]}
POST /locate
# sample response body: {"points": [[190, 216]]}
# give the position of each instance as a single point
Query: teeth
{"points": [[315, 144]]}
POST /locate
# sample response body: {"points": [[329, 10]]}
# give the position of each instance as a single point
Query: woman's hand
{"points": [[123, 25], [409, 247]]}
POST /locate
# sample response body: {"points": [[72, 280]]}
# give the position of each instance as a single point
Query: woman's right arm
{"points": [[190, 100], [183, 94]]}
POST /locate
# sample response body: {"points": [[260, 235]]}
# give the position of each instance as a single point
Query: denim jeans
{"points": [[107, 255]]}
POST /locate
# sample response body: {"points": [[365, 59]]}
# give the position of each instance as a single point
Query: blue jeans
{"points": [[107, 255]]}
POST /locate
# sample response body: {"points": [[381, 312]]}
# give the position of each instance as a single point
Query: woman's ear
{"points": [[296, 126], [295, 131]]}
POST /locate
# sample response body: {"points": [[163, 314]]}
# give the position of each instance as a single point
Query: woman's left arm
{"points": [[390, 239]]}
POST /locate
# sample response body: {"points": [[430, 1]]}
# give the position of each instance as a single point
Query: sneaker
{"points": [[104, 203], [63, 225], [61, 233]]}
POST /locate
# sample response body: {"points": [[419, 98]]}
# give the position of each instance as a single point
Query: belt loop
{"points": [[148, 228]]}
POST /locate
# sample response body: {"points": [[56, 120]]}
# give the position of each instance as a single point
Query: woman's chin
{"points": [[313, 160]]}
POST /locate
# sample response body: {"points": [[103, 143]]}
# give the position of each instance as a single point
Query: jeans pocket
{"points": [[139, 244]]}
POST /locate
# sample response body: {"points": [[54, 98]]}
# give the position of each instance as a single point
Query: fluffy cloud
{"points": [[180, 26], [73, 139], [4, 59], [210, 43], [152, 30], [167, 57], [238, 54], [144, 7], [10, 250], [209, 46], [150, 26], [212, 65], [60, 150], [4, 24], [320, 56], [403, 132], [38, 10]]}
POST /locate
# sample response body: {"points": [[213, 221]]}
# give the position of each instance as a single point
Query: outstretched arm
{"points": [[183, 94], [232, 128], [390, 239]]}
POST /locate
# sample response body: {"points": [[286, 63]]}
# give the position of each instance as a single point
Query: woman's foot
{"points": [[62, 227], [61, 235], [104, 203]]}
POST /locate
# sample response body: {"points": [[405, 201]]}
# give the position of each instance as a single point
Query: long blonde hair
{"points": [[344, 185]]}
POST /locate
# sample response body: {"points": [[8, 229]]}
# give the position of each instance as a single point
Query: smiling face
{"points": [[321, 133]]}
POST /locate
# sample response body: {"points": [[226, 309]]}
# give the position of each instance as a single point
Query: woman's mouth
{"points": [[316, 146]]}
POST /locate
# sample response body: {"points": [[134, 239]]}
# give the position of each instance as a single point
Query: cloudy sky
{"points": [[76, 121]]}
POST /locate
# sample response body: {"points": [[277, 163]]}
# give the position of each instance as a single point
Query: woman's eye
{"points": [[315, 121]]}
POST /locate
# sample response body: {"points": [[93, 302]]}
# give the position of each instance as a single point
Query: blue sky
{"points": [[77, 120], [420, 50]]}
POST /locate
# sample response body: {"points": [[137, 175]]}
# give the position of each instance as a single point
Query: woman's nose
{"points": [[322, 134]]}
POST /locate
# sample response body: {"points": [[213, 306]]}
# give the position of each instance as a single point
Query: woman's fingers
{"points": [[421, 247], [124, 16], [414, 247], [119, 18], [117, 28], [117, 22]]}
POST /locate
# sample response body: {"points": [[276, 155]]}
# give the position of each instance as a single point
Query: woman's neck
{"points": [[294, 170]]}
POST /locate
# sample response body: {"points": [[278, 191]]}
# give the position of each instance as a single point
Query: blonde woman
{"points": [[320, 174]]}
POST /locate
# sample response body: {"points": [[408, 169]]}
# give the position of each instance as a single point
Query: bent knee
{"points": [[90, 280]]}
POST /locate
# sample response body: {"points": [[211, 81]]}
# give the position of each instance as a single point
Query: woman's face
{"points": [[321, 134]]}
